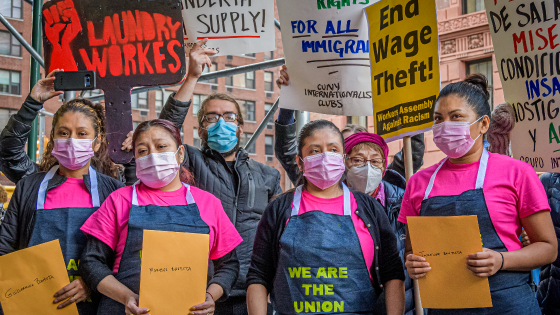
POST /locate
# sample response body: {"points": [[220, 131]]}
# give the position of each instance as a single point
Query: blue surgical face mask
{"points": [[222, 136]]}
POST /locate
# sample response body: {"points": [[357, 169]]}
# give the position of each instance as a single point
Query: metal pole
{"points": [[302, 118], [69, 95], [409, 170], [277, 24], [209, 76], [36, 38], [263, 124], [22, 40]]}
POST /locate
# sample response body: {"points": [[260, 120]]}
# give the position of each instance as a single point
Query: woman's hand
{"points": [[525, 239], [284, 78], [198, 58], [127, 144], [74, 292], [44, 89], [416, 266], [206, 308], [131, 306], [484, 264]]}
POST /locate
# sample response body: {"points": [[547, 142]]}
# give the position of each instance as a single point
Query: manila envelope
{"points": [[30, 277], [174, 271], [445, 242]]}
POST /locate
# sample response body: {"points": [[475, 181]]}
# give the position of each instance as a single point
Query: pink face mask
{"points": [[324, 170], [157, 170], [454, 137], [73, 153]]}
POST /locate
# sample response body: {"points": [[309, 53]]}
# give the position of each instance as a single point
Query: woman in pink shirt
{"points": [[505, 194], [160, 200]]}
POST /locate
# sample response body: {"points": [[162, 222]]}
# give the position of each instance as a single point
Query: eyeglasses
{"points": [[360, 161], [213, 118]]}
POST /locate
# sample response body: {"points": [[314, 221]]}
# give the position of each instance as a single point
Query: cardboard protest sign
{"points": [[445, 242], [327, 54], [232, 27], [404, 66], [30, 277], [174, 271], [525, 40], [127, 44]]}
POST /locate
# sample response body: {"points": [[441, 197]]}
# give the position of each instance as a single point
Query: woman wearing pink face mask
{"points": [[505, 194], [162, 199], [54, 198], [322, 248]]}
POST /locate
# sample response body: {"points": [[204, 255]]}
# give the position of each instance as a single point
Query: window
{"points": [[9, 45], [244, 139], [11, 8], [196, 138], [5, 115], [242, 80], [268, 145], [159, 100], [268, 84], [471, 6], [91, 93], [248, 109], [267, 108], [269, 55], [135, 124], [483, 67], [10, 82], [197, 101], [249, 55], [208, 70], [139, 100]]}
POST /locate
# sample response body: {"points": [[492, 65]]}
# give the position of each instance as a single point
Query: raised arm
{"points": [[14, 162]]}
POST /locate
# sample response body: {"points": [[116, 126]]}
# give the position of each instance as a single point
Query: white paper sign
{"points": [[326, 47], [527, 45], [233, 27]]}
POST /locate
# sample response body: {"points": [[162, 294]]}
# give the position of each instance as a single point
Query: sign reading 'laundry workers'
{"points": [[526, 41], [233, 27], [327, 54], [127, 44], [404, 66]]}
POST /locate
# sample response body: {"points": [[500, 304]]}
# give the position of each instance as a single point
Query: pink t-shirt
{"points": [[336, 206], [110, 222], [511, 188], [59, 197]]}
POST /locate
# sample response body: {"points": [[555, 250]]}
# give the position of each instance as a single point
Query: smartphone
{"points": [[74, 80]]}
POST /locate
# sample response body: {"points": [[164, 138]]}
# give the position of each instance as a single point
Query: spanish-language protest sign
{"points": [[404, 66], [126, 43], [327, 54], [525, 37], [233, 27]]}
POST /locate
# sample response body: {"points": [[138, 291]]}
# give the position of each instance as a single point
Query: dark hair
{"points": [[96, 114], [185, 175], [307, 131], [474, 89], [353, 128], [223, 97]]}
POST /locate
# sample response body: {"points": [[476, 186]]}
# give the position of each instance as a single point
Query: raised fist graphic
{"points": [[62, 24]]}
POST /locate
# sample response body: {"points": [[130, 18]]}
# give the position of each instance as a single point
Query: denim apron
{"points": [[314, 248], [510, 291], [64, 224], [171, 218]]}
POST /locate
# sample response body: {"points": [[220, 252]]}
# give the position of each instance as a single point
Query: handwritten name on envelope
{"points": [[445, 242], [174, 271], [30, 277]]}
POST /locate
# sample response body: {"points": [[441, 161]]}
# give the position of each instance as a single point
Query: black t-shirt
{"points": [[233, 175]]}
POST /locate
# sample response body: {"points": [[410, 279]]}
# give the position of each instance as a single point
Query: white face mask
{"points": [[365, 178]]}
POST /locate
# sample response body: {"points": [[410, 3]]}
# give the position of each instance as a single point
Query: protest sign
{"points": [[30, 277], [327, 54], [127, 44], [445, 242], [404, 66], [174, 271], [525, 39], [232, 27]]}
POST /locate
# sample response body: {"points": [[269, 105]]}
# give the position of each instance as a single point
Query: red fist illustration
{"points": [[62, 25]]}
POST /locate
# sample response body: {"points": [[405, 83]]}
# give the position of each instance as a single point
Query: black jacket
{"points": [[386, 266], [258, 183], [548, 293], [285, 149], [16, 229]]}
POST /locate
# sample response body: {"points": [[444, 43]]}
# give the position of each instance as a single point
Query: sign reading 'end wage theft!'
{"points": [[404, 66], [127, 44]]}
